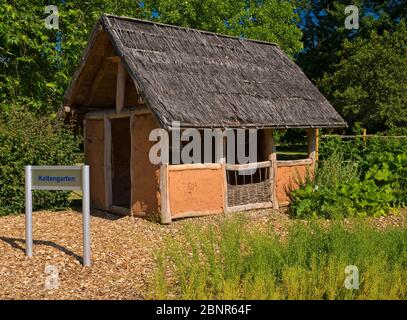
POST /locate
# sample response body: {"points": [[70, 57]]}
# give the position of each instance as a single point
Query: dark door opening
{"points": [[121, 152]]}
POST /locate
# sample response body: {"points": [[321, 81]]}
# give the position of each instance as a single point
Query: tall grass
{"points": [[234, 261], [335, 170]]}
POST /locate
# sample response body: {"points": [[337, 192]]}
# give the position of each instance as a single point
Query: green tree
{"points": [[267, 20], [369, 84], [358, 70], [324, 32], [36, 63]]}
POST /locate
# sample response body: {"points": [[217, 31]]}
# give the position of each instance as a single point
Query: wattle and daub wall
{"points": [[190, 191]]}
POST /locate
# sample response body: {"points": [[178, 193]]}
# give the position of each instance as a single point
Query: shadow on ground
{"points": [[16, 243]]}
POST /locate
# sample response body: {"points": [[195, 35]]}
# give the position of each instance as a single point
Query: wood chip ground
{"points": [[122, 253]]}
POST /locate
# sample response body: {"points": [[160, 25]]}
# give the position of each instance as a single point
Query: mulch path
{"points": [[122, 253]]}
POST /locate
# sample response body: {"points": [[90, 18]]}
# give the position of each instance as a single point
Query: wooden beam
{"points": [[98, 79], [194, 166], [120, 87], [251, 206], [138, 90], [132, 163], [316, 144], [224, 172], [111, 113], [271, 155], [364, 135], [107, 162], [114, 59], [248, 166], [193, 214], [293, 163], [165, 203], [225, 188], [312, 143]]}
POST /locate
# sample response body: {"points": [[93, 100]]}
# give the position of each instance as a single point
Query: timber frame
{"points": [[268, 146], [154, 74]]}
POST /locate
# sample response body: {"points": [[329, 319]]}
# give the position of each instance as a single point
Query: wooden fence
{"points": [[364, 137]]}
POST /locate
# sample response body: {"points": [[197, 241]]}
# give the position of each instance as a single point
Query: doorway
{"points": [[120, 162]]}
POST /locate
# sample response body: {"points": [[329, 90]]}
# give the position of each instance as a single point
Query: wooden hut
{"points": [[137, 75]]}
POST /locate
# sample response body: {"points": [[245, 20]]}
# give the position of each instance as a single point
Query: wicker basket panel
{"points": [[249, 193]]}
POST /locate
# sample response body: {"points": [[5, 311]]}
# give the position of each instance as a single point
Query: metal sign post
{"points": [[58, 178]]}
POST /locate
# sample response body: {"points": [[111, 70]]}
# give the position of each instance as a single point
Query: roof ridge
{"points": [[108, 15]]}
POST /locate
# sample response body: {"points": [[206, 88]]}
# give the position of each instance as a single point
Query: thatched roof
{"points": [[209, 80]]}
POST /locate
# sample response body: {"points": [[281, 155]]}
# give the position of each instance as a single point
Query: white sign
{"points": [[58, 178]]}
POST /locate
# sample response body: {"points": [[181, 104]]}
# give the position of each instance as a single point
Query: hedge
{"points": [[26, 139]]}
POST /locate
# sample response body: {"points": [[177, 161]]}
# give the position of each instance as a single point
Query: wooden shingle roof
{"points": [[204, 80]]}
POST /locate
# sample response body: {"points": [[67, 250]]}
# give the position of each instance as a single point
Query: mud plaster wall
{"points": [[286, 180], [196, 190], [94, 157], [145, 175]]}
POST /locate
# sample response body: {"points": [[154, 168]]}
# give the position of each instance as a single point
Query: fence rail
{"points": [[364, 137], [347, 136]]}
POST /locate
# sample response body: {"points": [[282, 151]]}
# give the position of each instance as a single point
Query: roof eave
{"points": [[262, 126], [67, 99]]}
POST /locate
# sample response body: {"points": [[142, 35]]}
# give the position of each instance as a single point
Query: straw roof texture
{"points": [[209, 80]]}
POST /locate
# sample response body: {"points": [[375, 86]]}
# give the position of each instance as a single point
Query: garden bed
{"points": [[122, 252], [122, 255]]}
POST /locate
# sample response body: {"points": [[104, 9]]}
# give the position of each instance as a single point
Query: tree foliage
{"points": [[36, 63], [268, 20], [369, 84], [26, 139], [362, 71]]}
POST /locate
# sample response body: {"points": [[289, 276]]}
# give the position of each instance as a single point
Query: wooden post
{"points": [[225, 180], [316, 144], [165, 203], [108, 162], [132, 162], [312, 144], [271, 155], [364, 136], [120, 87]]}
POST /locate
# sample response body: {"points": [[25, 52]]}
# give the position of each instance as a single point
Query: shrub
{"points": [[354, 178], [342, 198], [233, 260], [363, 153], [28, 140]]}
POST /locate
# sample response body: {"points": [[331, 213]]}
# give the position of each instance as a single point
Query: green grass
{"points": [[233, 260], [292, 152]]}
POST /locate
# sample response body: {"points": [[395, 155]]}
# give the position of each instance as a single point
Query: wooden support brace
{"points": [[312, 144], [316, 144], [271, 155], [120, 87], [165, 203], [107, 162], [114, 59]]}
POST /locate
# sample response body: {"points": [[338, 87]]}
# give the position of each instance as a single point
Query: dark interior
{"points": [[121, 183]]}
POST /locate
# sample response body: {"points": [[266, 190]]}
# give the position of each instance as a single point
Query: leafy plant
{"points": [[368, 184], [29, 140], [37, 63]]}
